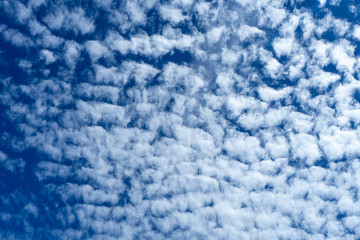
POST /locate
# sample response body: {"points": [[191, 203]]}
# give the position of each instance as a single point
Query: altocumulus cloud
{"points": [[179, 119]]}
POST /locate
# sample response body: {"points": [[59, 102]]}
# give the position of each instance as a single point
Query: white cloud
{"points": [[71, 53], [174, 15], [12, 165], [96, 50], [214, 35], [308, 25], [304, 147], [16, 38], [321, 51], [17, 10], [337, 143], [343, 55], [48, 56], [36, 3], [95, 113], [272, 16], [229, 57], [35, 27], [323, 79], [245, 32], [269, 94], [238, 104], [154, 46], [322, 3], [277, 147], [356, 32], [178, 130], [283, 46], [273, 67], [245, 148], [74, 20], [136, 13], [80, 22]]}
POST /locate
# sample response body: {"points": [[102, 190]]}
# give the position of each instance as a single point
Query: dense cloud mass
{"points": [[179, 119]]}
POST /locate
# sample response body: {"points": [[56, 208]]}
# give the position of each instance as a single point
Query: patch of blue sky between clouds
{"points": [[179, 119]]}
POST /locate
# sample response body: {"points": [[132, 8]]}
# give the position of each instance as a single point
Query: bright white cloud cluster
{"points": [[179, 120]]}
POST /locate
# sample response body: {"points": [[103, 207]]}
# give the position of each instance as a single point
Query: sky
{"points": [[183, 119]]}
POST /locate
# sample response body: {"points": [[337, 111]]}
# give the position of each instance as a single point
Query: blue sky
{"points": [[179, 119]]}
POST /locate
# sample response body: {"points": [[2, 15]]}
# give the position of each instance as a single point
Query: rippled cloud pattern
{"points": [[183, 119]]}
